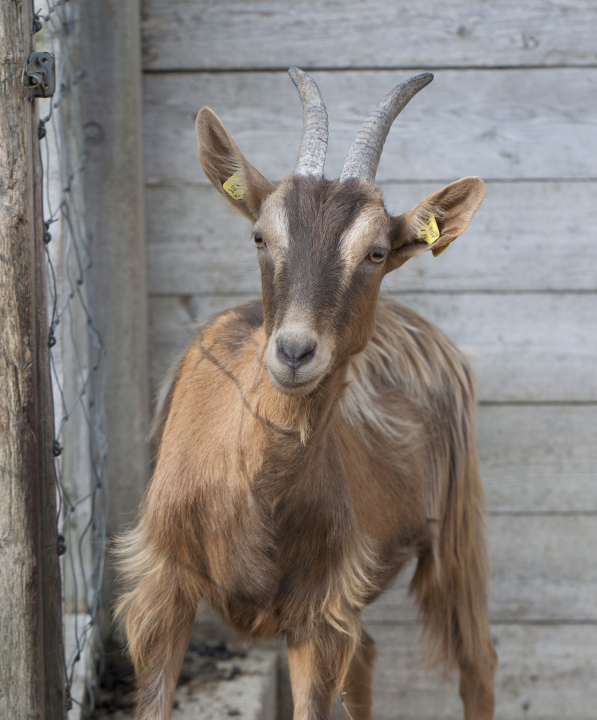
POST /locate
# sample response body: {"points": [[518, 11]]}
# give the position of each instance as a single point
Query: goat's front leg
{"points": [[318, 668], [157, 672], [159, 613]]}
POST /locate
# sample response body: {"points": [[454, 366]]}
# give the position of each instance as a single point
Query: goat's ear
{"points": [[452, 207], [237, 180]]}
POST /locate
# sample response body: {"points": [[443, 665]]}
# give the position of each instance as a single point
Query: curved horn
{"points": [[314, 142], [363, 158]]}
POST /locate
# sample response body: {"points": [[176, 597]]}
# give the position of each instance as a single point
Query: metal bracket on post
{"points": [[39, 77]]}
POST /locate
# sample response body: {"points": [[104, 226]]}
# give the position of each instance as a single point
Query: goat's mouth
{"points": [[288, 385]]}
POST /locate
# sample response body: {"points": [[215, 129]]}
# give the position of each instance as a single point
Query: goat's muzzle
{"points": [[296, 360]]}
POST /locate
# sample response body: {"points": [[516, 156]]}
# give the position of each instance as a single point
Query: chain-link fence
{"points": [[77, 352]]}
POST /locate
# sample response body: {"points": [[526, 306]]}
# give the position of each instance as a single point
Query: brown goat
{"points": [[315, 441]]}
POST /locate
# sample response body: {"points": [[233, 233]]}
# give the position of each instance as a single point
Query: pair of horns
{"points": [[364, 155]]}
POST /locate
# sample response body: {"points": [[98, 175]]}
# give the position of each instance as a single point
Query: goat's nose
{"points": [[297, 353]]}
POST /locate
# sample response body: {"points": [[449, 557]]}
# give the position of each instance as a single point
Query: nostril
{"points": [[296, 354], [307, 352]]}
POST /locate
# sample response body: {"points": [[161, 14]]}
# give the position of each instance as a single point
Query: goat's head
{"points": [[324, 246]]}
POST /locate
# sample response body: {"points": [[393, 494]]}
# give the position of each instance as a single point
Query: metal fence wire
{"points": [[76, 357]]}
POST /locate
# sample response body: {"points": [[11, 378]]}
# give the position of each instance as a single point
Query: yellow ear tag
{"points": [[234, 187], [430, 233], [438, 251]]}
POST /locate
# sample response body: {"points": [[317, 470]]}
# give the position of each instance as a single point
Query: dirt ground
{"points": [[205, 663]]}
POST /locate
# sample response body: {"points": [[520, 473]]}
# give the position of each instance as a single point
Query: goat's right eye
{"points": [[259, 241], [377, 256]]}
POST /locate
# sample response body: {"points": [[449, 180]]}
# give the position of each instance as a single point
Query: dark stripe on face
{"points": [[268, 289], [319, 213]]}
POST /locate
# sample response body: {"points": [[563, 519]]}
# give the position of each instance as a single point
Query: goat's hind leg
{"points": [[476, 688], [453, 605], [159, 612], [318, 668], [356, 693]]}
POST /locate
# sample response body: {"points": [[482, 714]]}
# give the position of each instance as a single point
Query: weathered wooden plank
{"points": [[544, 569], [526, 236], [524, 347], [544, 673], [512, 124], [311, 33], [115, 216], [540, 458]]}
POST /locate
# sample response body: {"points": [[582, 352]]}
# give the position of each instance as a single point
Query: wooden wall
{"points": [[514, 100]]}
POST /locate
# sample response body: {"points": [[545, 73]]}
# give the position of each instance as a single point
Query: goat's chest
{"points": [[305, 553]]}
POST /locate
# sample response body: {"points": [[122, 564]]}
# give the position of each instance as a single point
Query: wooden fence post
{"points": [[31, 653], [111, 52]]}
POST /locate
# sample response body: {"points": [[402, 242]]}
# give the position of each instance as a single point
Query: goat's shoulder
{"points": [[231, 330], [226, 346], [218, 345]]}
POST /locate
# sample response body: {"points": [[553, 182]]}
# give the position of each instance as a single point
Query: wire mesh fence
{"points": [[77, 352]]}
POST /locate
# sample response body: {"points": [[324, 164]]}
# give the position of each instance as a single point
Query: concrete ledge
{"points": [[240, 687]]}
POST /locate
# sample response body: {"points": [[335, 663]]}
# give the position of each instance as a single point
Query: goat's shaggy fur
{"points": [[405, 410], [311, 443]]}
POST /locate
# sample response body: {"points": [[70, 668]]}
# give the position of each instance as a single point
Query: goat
{"points": [[314, 441]]}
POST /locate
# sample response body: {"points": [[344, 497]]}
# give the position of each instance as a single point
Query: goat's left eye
{"points": [[377, 256], [259, 241]]}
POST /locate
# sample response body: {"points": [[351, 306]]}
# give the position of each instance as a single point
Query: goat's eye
{"points": [[259, 241], [377, 256]]}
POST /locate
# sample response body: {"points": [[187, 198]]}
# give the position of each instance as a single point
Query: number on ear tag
{"points": [[429, 232], [234, 187]]}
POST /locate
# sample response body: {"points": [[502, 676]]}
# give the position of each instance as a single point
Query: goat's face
{"points": [[322, 249], [324, 246]]}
